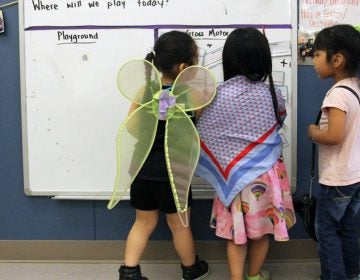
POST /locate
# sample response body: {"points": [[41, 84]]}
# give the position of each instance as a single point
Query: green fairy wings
{"points": [[140, 82]]}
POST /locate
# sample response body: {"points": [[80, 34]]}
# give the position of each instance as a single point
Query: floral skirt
{"points": [[262, 207]]}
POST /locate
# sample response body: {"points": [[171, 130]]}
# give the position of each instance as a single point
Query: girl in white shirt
{"points": [[337, 224]]}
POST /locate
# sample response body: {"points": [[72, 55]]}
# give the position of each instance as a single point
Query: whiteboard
{"points": [[70, 54]]}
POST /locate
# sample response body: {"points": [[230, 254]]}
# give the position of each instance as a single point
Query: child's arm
{"points": [[132, 125], [133, 107], [334, 133]]}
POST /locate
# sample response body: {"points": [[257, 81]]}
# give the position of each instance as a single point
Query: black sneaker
{"points": [[197, 271], [131, 273]]}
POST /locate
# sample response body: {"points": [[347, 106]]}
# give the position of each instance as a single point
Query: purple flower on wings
{"points": [[166, 101]]}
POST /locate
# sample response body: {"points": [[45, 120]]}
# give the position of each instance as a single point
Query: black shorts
{"points": [[149, 195]]}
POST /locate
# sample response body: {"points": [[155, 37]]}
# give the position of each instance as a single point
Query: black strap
{"points": [[351, 90], [313, 148]]}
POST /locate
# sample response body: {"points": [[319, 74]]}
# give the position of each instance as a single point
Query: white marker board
{"points": [[70, 54]]}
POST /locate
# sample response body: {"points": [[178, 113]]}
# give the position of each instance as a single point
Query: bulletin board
{"points": [[71, 52]]}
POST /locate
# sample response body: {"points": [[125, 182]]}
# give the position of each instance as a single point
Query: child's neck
{"points": [[166, 80], [341, 76]]}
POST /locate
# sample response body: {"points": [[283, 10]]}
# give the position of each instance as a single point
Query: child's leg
{"points": [[330, 208], [182, 238], [192, 267], [139, 234], [257, 254], [236, 255], [349, 234]]}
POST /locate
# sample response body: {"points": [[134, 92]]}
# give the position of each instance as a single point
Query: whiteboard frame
{"points": [[294, 92], [200, 189], [25, 150]]}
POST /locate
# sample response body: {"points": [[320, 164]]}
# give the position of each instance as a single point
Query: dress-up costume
{"points": [[151, 189], [241, 148], [154, 167], [140, 82]]}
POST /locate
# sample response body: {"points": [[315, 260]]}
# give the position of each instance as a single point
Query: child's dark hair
{"points": [[173, 47], [344, 39], [247, 52]]}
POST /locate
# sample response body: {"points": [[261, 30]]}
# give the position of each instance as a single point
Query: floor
{"points": [[154, 271]]}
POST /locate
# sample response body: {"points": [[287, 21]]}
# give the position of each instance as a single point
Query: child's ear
{"points": [[338, 59], [182, 66]]}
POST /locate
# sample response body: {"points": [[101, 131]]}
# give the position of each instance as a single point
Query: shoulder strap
{"points": [[351, 90], [313, 150]]}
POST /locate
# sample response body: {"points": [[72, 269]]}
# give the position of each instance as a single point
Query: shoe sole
{"points": [[202, 276]]}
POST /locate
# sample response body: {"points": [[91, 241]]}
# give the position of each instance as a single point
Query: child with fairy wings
{"points": [[164, 147]]}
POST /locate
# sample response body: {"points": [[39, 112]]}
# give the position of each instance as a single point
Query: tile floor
{"points": [[308, 270]]}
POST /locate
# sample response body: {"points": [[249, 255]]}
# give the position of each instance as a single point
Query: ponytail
{"points": [[275, 101], [150, 56]]}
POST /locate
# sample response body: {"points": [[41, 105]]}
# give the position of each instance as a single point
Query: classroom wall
{"points": [[41, 218]]}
